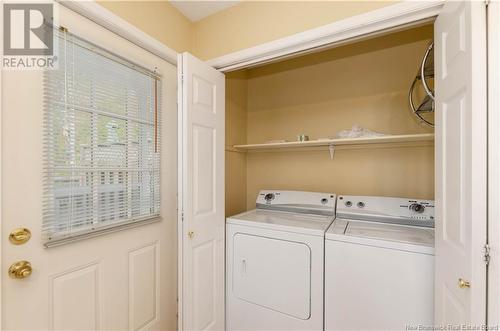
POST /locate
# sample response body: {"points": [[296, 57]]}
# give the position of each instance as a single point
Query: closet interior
{"points": [[328, 98]]}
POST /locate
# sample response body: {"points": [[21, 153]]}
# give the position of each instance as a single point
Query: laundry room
{"points": [[259, 165], [281, 116]]}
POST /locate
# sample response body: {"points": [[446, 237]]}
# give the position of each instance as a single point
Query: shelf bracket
{"points": [[331, 149]]}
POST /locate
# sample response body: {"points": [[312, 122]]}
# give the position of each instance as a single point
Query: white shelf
{"points": [[392, 139]]}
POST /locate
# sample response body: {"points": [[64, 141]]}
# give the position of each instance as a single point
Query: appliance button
{"points": [[324, 201], [361, 204], [348, 203]]}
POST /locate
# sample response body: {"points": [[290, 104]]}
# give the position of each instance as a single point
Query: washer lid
{"points": [[403, 237], [284, 221]]}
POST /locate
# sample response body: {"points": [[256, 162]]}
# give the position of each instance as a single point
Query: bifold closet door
{"points": [[201, 195], [461, 159]]}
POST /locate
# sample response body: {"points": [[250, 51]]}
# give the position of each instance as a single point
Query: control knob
{"points": [[417, 208], [269, 197]]}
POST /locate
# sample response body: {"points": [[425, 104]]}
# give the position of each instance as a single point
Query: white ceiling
{"points": [[196, 10]]}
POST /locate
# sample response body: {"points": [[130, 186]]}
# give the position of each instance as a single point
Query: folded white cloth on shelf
{"points": [[358, 132]]}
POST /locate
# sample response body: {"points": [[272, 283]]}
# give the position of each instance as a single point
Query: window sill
{"points": [[100, 231]]}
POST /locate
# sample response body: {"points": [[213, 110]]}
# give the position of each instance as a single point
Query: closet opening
{"points": [[350, 105]]}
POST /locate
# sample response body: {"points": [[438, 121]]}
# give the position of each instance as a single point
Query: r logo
{"points": [[26, 31]]}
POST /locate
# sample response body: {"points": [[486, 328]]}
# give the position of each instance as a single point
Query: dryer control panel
{"points": [[297, 201], [403, 211]]}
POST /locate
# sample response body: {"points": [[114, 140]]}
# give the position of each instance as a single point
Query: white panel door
{"points": [[123, 280], [460, 55], [201, 189]]}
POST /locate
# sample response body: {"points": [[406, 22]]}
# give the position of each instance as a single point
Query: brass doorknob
{"points": [[190, 234], [20, 269], [462, 283], [19, 236]]}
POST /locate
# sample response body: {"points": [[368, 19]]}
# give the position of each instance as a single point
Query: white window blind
{"points": [[101, 142]]}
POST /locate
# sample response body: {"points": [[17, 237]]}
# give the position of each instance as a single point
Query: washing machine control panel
{"points": [[386, 209], [297, 201]]}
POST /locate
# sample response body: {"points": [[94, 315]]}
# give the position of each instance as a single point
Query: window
{"points": [[101, 142]]}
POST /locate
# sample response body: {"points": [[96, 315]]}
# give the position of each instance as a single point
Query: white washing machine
{"points": [[379, 264], [274, 262]]}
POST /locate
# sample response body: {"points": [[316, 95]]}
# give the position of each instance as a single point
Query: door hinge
{"points": [[487, 256]]}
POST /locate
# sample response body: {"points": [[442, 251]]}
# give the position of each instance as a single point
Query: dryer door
{"points": [[272, 273]]}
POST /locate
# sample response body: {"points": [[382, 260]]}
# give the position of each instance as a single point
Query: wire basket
{"points": [[425, 74]]}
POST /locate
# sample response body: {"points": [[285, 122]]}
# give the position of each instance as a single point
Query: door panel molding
{"points": [[80, 309], [144, 286]]}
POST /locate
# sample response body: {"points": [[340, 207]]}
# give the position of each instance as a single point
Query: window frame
{"points": [[55, 238]]}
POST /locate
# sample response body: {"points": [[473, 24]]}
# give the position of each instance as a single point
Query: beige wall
{"points": [[320, 94], [159, 19], [255, 22], [236, 132], [247, 24]]}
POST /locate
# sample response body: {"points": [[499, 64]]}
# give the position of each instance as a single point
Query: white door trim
{"points": [[493, 162], [100, 15], [390, 18], [181, 100], [1, 190]]}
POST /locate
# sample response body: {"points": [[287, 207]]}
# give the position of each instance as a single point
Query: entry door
{"points": [[124, 280], [201, 189], [460, 55]]}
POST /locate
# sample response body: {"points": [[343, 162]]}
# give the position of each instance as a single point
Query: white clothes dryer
{"points": [[274, 262]]}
